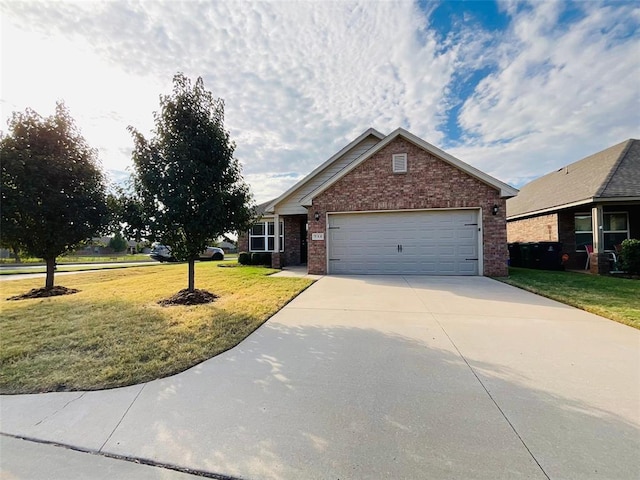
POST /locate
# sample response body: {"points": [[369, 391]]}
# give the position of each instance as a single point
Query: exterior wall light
{"points": [[316, 216], [494, 209]]}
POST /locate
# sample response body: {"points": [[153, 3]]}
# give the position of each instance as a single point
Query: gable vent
{"points": [[399, 162]]}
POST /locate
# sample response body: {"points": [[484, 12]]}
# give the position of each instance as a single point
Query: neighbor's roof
{"points": [[613, 173]]}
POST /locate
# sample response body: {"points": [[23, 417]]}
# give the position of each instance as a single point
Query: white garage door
{"points": [[422, 243]]}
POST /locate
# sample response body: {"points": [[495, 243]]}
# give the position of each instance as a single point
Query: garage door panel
{"points": [[433, 243]]}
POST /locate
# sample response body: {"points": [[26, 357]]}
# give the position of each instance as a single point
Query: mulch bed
{"points": [[185, 297], [45, 292]]}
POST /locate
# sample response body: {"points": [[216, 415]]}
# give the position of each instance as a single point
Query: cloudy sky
{"points": [[514, 88]]}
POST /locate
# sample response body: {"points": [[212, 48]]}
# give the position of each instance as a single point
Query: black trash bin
{"points": [[549, 256], [525, 256], [515, 257]]}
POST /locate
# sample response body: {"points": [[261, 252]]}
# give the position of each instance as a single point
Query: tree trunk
{"points": [[51, 267], [192, 274], [16, 254]]}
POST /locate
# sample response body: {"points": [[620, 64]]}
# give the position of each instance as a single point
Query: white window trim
{"points": [[604, 232], [399, 162], [266, 236], [626, 214], [575, 232]]}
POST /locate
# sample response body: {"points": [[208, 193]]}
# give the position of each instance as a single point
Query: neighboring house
{"points": [[388, 204], [100, 246], [593, 202], [227, 246]]}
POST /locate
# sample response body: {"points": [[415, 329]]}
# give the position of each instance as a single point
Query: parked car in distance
{"points": [[162, 253]]}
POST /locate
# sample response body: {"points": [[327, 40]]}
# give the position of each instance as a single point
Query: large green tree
{"points": [[186, 179], [53, 190]]}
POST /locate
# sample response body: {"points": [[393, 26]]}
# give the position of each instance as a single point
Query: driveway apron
{"points": [[381, 377]]}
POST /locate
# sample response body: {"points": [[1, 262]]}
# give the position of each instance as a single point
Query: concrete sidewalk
{"points": [[375, 377]]}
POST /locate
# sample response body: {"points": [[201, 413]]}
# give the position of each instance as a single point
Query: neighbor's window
{"points": [[262, 237], [615, 229], [584, 235]]}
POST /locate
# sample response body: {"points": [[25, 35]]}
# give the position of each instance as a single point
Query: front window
{"points": [[262, 237], [584, 236], [615, 229]]}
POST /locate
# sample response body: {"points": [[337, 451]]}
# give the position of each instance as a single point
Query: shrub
{"points": [[261, 259], [630, 256], [244, 258]]}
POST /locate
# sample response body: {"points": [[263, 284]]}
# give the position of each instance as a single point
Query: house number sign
{"points": [[317, 236]]}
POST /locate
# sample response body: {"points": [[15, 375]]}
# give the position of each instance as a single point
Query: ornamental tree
{"points": [[53, 190], [187, 183]]}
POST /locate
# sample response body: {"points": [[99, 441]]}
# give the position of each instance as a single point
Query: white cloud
{"points": [[302, 79], [558, 95], [299, 79]]}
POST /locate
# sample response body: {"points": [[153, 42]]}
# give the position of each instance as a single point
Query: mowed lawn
{"points": [[113, 333], [607, 296]]}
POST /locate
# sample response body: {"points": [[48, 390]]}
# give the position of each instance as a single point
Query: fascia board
{"points": [[505, 190], [370, 131], [555, 208], [578, 203]]}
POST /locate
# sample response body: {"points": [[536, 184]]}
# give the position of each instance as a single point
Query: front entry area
{"points": [[430, 242]]}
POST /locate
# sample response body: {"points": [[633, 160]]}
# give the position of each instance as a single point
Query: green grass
{"points": [[610, 297], [113, 333]]}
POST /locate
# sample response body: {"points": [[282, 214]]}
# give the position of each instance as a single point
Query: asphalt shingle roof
{"points": [[614, 172]]}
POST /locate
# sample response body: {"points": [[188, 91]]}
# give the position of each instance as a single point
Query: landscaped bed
{"points": [[607, 296], [113, 332]]}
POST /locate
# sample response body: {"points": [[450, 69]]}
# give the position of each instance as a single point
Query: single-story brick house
{"points": [[594, 202], [388, 204]]}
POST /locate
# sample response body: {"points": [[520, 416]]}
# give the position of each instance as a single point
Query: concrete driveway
{"points": [[374, 378]]}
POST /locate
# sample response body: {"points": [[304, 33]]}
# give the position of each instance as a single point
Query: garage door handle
{"points": [[400, 248], [471, 259]]}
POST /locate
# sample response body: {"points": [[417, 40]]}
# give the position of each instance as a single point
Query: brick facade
{"points": [[429, 183], [535, 229]]}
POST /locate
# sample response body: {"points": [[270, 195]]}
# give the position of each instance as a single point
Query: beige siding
{"points": [[535, 229], [291, 204]]}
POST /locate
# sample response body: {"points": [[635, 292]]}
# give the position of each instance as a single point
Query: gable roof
{"points": [[371, 132], [505, 190], [613, 173]]}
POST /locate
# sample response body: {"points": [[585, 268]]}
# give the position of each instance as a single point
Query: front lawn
{"points": [[113, 333], [74, 258], [614, 298]]}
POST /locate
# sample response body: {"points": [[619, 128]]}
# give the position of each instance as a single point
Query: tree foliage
{"points": [[53, 190], [117, 243], [188, 186]]}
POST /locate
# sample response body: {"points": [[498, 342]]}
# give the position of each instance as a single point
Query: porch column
{"points": [[276, 260], [276, 231], [597, 227]]}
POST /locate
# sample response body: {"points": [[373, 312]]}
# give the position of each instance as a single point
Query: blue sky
{"points": [[517, 89]]}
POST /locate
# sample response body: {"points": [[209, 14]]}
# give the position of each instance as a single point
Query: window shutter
{"points": [[399, 162]]}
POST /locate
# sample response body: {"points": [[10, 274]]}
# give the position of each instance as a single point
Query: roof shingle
{"points": [[614, 172]]}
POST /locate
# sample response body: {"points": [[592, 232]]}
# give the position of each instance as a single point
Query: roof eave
{"points": [[577, 203], [370, 131]]}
